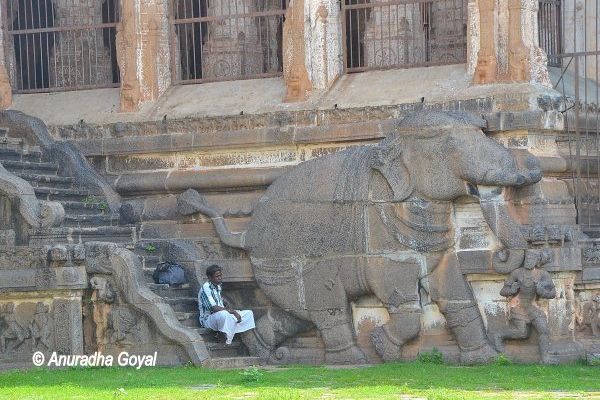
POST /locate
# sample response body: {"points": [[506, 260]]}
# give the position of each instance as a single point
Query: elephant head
{"points": [[443, 156]]}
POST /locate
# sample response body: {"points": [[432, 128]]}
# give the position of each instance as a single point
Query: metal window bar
{"points": [[582, 135], [60, 47], [221, 40], [577, 78], [549, 30], [403, 33]]}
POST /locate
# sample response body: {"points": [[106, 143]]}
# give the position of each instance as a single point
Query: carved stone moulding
{"points": [[39, 321], [25, 269]]}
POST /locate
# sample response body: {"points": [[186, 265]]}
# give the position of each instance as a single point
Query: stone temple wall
{"points": [[232, 160]]}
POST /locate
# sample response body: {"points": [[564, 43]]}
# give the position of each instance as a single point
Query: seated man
{"points": [[214, 315]]}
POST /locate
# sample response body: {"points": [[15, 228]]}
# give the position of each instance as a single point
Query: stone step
{"points": [[189, 319], [148, 248], [41, 168], [85, 207], [232, 362], [222, 350], [183, 304], [165, 286], [150, 258], [11, 140], [17, 154], [147, 273], [87, 220], [49, 181], [117, 234], [56, 194], [171, 292]]}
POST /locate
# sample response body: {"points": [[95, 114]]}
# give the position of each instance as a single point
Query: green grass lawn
{"points": [[389, 381]]}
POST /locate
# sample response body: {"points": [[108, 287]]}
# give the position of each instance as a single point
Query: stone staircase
{"points": [[184, 302], [87, 215], [89, 218]]}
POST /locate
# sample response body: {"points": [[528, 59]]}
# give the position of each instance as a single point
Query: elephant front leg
{"points": [[453, 296], [396, 285]]}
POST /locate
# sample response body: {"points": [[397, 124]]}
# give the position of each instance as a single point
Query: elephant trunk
{"points": [[498, 215], [192, 202]]}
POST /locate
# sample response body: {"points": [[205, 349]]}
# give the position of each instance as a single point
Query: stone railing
{"points": [[70, 160], [127, 313], [38, 214]]}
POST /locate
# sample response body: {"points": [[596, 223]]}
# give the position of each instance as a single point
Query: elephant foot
{"points": [[280, 356], [350, 355], [255, 344], [481, 355], [387, 348]]}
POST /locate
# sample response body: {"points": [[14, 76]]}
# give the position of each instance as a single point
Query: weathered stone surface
{"points": [[39, 323], [70, 160], [7, 238], [136, 309], [36, 213], [311, 234], [524, 285]]}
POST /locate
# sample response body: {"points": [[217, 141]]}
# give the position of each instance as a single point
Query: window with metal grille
{"points": [[569, 32], [216, 40], [403, 33], [60, 45], [549, 30]]}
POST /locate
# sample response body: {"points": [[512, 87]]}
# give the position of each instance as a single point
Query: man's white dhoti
{"points": [[227, 323]]}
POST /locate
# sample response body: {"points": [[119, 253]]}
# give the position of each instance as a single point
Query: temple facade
{"points": [[376, 178]]}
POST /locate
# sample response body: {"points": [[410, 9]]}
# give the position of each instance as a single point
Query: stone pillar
{"points": [[68, 325], [508, 43], [486, 70], [143, 52], [295, 73], [324, 56], [312, 47], [5, 87]]}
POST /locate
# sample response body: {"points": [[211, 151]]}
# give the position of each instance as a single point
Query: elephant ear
{"points": [[388, 161]]}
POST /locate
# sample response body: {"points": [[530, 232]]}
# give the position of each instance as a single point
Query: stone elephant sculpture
{"points": [[378, 220]]}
